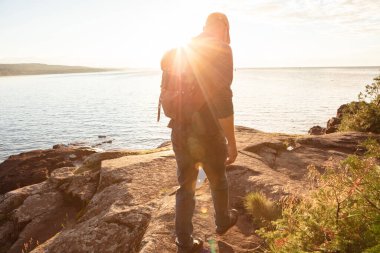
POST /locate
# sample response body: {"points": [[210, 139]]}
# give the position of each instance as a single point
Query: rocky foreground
{"points": [[124, 201]]}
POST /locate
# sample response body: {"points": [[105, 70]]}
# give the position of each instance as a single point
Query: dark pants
{"points": [[210, 153]]}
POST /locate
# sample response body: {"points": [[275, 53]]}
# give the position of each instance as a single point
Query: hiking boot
{"points": [[195, 248], [233, 215]]}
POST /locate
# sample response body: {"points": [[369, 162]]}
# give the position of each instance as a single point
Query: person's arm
{"points": [[223, 102], [228, 128]]}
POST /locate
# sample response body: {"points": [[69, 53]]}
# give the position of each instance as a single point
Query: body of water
{"points": [[37, 112]]}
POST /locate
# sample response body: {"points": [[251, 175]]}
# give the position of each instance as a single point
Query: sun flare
{"points": [[137, 33]]}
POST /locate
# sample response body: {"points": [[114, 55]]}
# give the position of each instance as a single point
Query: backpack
{"points": [[181, 96]]}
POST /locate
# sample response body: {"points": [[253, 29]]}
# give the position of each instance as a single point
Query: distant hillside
{"points": [[39, 69]]}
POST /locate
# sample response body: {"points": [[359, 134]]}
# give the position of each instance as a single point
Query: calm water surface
{"points": [[40, 111]]}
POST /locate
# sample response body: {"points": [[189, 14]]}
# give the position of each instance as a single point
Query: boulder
{"points": [[58, 146], [333, 125], [334, 122], [340, 111], [317, 130]]}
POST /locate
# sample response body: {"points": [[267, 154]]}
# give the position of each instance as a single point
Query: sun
{"points": [[181, 22], [182, 30], [162, 29]]}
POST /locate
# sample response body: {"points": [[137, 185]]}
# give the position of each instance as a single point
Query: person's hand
{"points": [[231, 153], [228, 127]]}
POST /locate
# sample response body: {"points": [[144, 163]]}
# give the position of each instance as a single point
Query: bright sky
{"points": [[135, 33]]}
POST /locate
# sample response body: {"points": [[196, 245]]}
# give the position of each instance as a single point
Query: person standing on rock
{"points": [[204, 136]]}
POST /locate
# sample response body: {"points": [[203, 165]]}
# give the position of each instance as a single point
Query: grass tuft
{"points": [[262, 209]]}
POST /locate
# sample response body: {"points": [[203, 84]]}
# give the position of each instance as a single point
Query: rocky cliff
{"points": [[124, 201]]}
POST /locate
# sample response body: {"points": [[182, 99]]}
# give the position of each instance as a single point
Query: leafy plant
{"points": [[364, 116], [341, 213]]}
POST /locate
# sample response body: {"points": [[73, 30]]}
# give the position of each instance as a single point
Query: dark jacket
{"points": [[212, 64]]}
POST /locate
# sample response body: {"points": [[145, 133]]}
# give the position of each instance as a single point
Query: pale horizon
{"points": [[132, 34]]}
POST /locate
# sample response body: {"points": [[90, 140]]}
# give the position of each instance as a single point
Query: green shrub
{"points": [[364, 116], [341, 213], [260, 208]]}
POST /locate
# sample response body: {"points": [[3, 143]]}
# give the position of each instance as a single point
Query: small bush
{"points": [[340, 214], [364, 116], [261, 208]]}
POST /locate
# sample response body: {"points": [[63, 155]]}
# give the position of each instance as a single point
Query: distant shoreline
{"points": [[22, 69]]}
